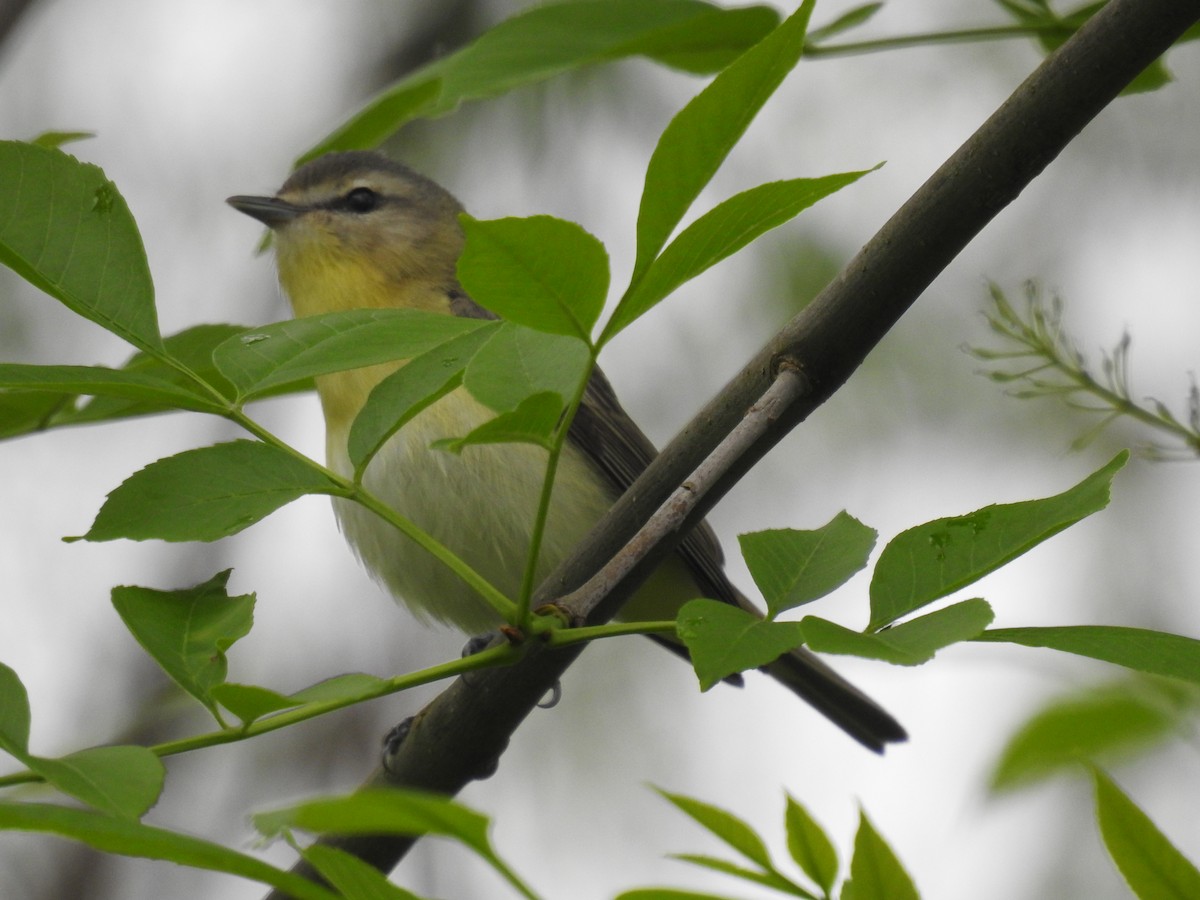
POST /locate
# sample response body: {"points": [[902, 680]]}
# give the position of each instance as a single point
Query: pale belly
{"points": [[480, 503]]}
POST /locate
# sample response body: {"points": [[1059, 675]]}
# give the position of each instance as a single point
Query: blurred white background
{"points": [[193, 101]]}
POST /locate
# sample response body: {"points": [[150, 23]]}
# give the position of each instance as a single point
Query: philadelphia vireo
{"points": [[357, 230]]}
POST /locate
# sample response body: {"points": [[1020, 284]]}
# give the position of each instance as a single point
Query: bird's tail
{"points": [[837, 699]]}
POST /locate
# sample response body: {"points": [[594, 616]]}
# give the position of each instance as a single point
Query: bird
{"points": [[358, 230]]}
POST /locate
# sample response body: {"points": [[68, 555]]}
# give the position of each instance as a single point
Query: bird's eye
{"points": [[361, 200]]}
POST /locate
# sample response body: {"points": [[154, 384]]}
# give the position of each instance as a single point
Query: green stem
{"points": [[511, 877], [563, 637], [500, 655], [535, 539], [223, 402], [543, 512], [492, 656], [1001, 32], [1127, 407]]}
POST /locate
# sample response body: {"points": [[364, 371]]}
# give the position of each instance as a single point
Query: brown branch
{"points": [[461, 735]]}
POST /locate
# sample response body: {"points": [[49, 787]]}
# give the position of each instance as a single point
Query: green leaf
{"points": [[847, 20], [533, 422], [53, 140], [935, 559], [206, 493], [542, 42], [22, 412], [540, 272], [518, 362], [1153, 652], [1154, 76], [249, 701], [875, 872], [698, 139], [120, 781], [1100, 723], [794, 567], [907, 644], [379, 811], [724, 825], [708, 42], [188, 631], [112, 834], [410, 389], [351, 686], [418, 96], [1150, 863], [666, 894], [103, 382], [42, 397], [719, 233], [767, 879], [722, 639], [193, 348], [66, 229], [14, 714], [261, 359], [810, 846], [353, 877]]}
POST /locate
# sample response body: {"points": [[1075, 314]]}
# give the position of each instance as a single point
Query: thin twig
{"points": [[788, 386], [1049, 364]]}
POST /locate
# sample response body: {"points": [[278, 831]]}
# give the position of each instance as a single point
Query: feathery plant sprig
{"points": [[1046, 362]]}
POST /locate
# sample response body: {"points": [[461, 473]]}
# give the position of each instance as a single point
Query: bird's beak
{"points": [[271, 211]]}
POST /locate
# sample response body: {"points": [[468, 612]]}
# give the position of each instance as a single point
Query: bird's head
{"points": [[357, 229]]}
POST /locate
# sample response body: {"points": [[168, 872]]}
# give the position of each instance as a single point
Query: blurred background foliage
{"points": [[192, 101]]}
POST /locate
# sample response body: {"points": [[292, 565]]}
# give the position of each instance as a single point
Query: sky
{"points": [[192, 102]]}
